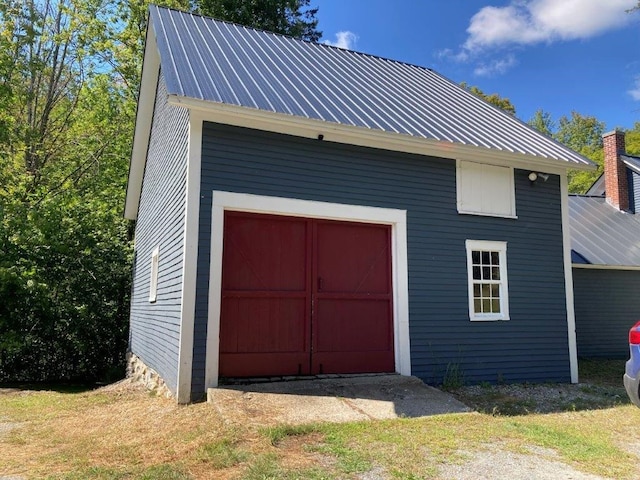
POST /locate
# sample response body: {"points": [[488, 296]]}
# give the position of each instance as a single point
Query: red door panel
{"points": [[353, 258], [352, 315], [264, 253], [265, 315], [264, 325], [303, 296], [353, 324]]}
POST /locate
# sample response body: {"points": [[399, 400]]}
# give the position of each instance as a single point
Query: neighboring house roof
{"points": [[263, 80], [601, 234], [597, 189], [630, 161]]}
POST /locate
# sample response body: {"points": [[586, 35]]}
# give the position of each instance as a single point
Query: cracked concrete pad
{"points": [[343, 399]]}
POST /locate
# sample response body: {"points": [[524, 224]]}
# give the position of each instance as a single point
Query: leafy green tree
{"points": [[64, 248], [584, 135], [580, 133], [124, 23], [632, 140], [288, 17], [543, 122], [494, 99]]}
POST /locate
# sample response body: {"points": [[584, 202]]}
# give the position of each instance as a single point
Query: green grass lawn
{"points": [[128, 434]]}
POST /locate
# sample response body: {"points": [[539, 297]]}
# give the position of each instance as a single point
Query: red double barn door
{"points": [[305, 296]]}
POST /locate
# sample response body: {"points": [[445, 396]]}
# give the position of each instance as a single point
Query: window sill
{"points": [[489, 319], [483, 214]]}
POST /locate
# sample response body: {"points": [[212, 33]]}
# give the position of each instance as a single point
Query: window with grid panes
{"points": [[487, 271]]}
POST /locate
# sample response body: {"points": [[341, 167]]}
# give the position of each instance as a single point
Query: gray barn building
{"points": [[303, 209]]}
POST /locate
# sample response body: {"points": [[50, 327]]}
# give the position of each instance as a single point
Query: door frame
{"points": [[244, 202]]}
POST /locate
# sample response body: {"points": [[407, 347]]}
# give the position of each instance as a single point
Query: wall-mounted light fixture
{"points": [[533, 176]]}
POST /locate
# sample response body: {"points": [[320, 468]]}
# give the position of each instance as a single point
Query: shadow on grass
{"points": [[64, 388]]}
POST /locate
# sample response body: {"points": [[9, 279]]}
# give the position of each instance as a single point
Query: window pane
{"points": [[495, 291], [476, 290], [477, 307], [475, 257], [485, 258], [486, 290], [486, 273], [495, 306], [476, 273], [486, 306], [495, 273], [495, 258]]}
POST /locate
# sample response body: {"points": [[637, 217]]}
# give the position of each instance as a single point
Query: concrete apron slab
{"points": [[343, 399]]}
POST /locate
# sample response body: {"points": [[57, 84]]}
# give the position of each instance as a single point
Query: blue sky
{"points": [[557, 55]]}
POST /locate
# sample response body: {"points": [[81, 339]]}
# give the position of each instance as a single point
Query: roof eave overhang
{"points": [[353, 135], [144, 119], [591, 266]]}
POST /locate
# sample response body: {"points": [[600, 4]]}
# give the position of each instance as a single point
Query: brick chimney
{"points": [[615, 171]]}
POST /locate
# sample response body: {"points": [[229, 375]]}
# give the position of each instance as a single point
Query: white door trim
{"points": [[310, 209]]}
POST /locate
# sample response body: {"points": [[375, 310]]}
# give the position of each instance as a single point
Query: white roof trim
{"points": [[353, 135], [631, 165]]}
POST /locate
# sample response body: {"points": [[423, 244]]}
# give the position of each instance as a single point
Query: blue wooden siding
{"points": [[634, 190], [155, 327], [607, 304], [532, 346]]}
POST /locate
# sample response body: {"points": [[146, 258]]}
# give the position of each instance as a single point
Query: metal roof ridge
{"points": [[302, 40]]}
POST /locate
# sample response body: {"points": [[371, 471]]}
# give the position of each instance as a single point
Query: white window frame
{"points": [[492, 246], [153, 279], [477, 202]]}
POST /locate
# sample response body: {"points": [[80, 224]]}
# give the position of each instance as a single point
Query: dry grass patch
{"points": [[122, 432], [103, 430]]}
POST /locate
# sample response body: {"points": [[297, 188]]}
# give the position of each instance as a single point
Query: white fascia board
{"points": [[353, 135], [589, 266], [144, 119]]}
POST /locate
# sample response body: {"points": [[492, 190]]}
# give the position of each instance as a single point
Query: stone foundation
{"points": [[139, 372]]}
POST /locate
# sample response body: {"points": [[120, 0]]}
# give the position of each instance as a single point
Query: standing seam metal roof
{"points": [[601, 234], [220, 62]]}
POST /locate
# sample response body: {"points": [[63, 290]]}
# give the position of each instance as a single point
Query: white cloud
{"points": [[346, 40], [526, 22], [529, 22], [635, 91], [495, 67]]}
